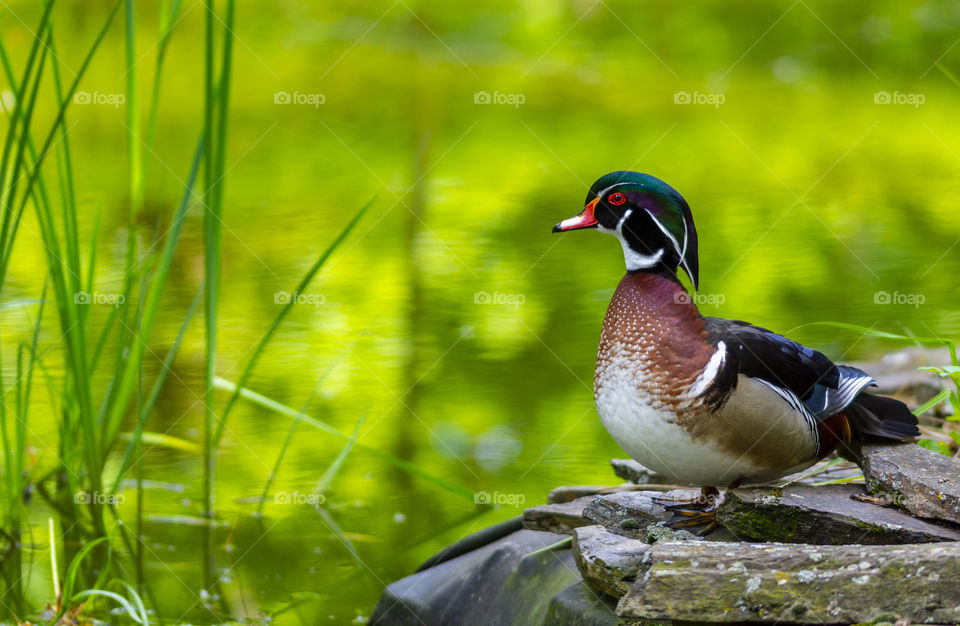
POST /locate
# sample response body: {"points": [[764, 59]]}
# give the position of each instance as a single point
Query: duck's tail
{"points": [[879, 419]]}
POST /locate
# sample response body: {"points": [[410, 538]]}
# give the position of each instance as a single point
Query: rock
{"points": [[628, 469], [499, 583], [744, 582], [579, 605], [607, 561], [559, 495], [557, 518], [919, 480], [828, 514], [628, 513]]}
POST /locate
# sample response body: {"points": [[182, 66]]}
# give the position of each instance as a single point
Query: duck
{"points": [[707, 401]]}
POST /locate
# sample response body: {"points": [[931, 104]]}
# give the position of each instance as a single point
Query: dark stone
{"points": [[827, 514], [741, 582], [919, 480], [557, 518], [579, 605], [500, 583]]}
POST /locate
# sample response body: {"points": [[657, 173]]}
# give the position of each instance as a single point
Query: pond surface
{"points": [[453, 329]]}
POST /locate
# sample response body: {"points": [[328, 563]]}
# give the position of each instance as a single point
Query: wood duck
{"points": [[704, 400]]}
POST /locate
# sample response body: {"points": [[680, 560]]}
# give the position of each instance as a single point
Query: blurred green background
{"points": [[810, 192]]}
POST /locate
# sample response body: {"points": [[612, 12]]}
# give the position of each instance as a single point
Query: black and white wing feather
{"points": [[804, 377]]}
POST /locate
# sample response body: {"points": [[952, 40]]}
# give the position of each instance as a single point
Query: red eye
{"points": [[617, 199]]}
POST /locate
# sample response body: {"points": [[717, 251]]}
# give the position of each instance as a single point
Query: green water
{"points": [[809, 198]]}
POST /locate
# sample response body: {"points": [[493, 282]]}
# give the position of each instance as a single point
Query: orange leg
{"points": [[697, 511]]}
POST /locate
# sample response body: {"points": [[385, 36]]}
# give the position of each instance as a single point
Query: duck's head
{"points": [[648, 216]]}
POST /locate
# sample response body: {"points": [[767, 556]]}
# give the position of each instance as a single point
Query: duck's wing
{"points": [[803, 376]]}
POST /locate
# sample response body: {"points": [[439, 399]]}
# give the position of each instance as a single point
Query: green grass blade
{"points": [[282, 409], [947, 73], [304, 282], [73, 572], [11, 216], [113, 596], [863, 330], [68, 97], [563, 543], [932, 402], [137, 601], [296, 422], [16, 114], [147, 407], [167, 21], [128, 376], [323, 485], [134, 147]]}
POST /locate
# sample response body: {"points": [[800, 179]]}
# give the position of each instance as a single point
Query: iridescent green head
{"points": [[648, 216]]}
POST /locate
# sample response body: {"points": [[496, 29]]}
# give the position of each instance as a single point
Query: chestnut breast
{"points": [[654, 332]]}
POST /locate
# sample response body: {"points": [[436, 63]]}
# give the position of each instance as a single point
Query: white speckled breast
{"points": [[652, 364]]}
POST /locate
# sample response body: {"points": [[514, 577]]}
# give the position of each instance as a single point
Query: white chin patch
{"points": [[633, 259]]}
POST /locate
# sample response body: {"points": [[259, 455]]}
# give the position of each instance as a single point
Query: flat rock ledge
{"points": [[723, 582], [923, 482], [560, 518], [830, 514]]}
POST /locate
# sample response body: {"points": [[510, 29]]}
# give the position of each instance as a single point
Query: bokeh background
{"points": [[816, 142]]}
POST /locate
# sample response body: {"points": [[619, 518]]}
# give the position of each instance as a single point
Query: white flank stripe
{"points": [[709, 372]]}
